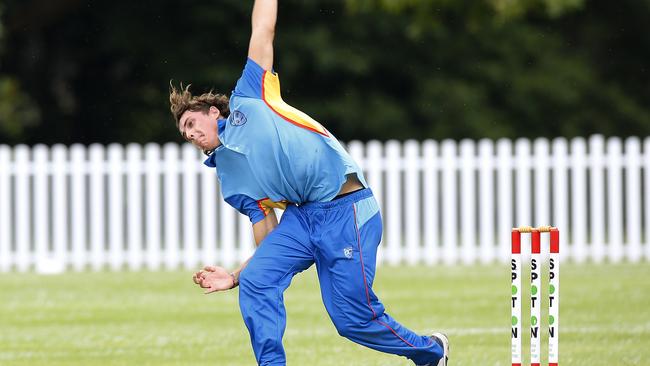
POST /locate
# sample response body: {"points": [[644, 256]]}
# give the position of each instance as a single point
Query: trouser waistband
{"points": [[341, 201]]}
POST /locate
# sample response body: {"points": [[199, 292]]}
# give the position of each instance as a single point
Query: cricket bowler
{"points": [[268, 155]]}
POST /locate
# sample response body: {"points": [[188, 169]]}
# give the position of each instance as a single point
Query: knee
{"points": [[250, 299], [346, 328], [255, 281], [247, 279]]}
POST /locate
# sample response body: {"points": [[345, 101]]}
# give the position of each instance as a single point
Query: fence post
{"points": [[97, 168], [486, 201], [542, 202], [615, 201], [79, 217], [412, 199], [209, 203], [430, 202], [189, 201], [633, 198], [171, 203], [23, 207], [579, 200], [646, 189], [504, 197], [116, 206], [393, 203], [449, 196], [597, 197], [60, 208], [560, 189], [6, 218], [523, 198], [41, 205], [134, 205], [152, 211], [467, 202]]}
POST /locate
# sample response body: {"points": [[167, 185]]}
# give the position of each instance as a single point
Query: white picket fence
{"points": [[158, 207]]}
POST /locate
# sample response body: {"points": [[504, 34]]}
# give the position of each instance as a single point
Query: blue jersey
{"points": [[272, 154]]}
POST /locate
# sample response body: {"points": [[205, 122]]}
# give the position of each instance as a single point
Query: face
{"points": [[200, 128]]}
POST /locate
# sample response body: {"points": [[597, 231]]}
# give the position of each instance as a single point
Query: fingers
{"points": [[208, 279], [210, 290], [198, 277]]}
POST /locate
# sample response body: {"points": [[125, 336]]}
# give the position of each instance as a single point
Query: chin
{"points": [[207, 147]]}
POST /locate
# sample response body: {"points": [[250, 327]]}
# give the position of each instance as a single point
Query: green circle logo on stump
{"points": [[533, 290], [551, 320], [533, 320], [514, 320], [551, 289], [514, 289]]}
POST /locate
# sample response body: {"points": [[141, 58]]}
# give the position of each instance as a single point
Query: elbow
{"points": [[264, 30]]}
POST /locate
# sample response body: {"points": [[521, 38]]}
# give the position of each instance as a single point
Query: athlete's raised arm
{"points": [[260, 49]]}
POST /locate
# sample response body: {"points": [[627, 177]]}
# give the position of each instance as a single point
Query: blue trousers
{"points": [[341, 237]]}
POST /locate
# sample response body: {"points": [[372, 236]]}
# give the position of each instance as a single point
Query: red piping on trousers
{"points": [[365, 283]]}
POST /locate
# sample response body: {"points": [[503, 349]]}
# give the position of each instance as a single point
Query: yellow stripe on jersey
{"points": [[271, 95], [265, 204]]}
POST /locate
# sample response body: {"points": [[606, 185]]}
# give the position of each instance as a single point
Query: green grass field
{"points": [[145, 318]]}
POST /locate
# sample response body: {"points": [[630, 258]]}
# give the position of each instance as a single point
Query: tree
{"points": [[368, 69], [16, 109]]}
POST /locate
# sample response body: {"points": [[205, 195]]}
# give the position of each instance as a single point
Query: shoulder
{"points": [[251, 82], [250, 122]]}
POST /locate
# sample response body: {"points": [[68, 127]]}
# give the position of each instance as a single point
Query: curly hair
{"points": [[182, 100]]}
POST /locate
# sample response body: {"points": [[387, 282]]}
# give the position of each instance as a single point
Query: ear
{"points": [[214, 112]]}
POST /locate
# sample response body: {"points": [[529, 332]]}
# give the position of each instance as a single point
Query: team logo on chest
{"points": [[237, 118], [347, 252]]}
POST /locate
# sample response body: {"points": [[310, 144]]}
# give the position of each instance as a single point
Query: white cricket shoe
{"points": [[443, 341]]}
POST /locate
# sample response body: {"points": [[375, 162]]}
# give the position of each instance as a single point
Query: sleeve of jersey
{"points": [[247, 206], [250, 83]]}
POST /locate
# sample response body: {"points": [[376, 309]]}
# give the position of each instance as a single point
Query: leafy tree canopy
{"points": [[98, 71]]}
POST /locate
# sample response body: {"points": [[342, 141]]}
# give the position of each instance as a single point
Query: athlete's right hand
{"points": [[214, 279]]}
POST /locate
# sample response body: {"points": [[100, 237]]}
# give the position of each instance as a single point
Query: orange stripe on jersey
{"points": [[264, 210], [271, 95], [265, 204]]}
